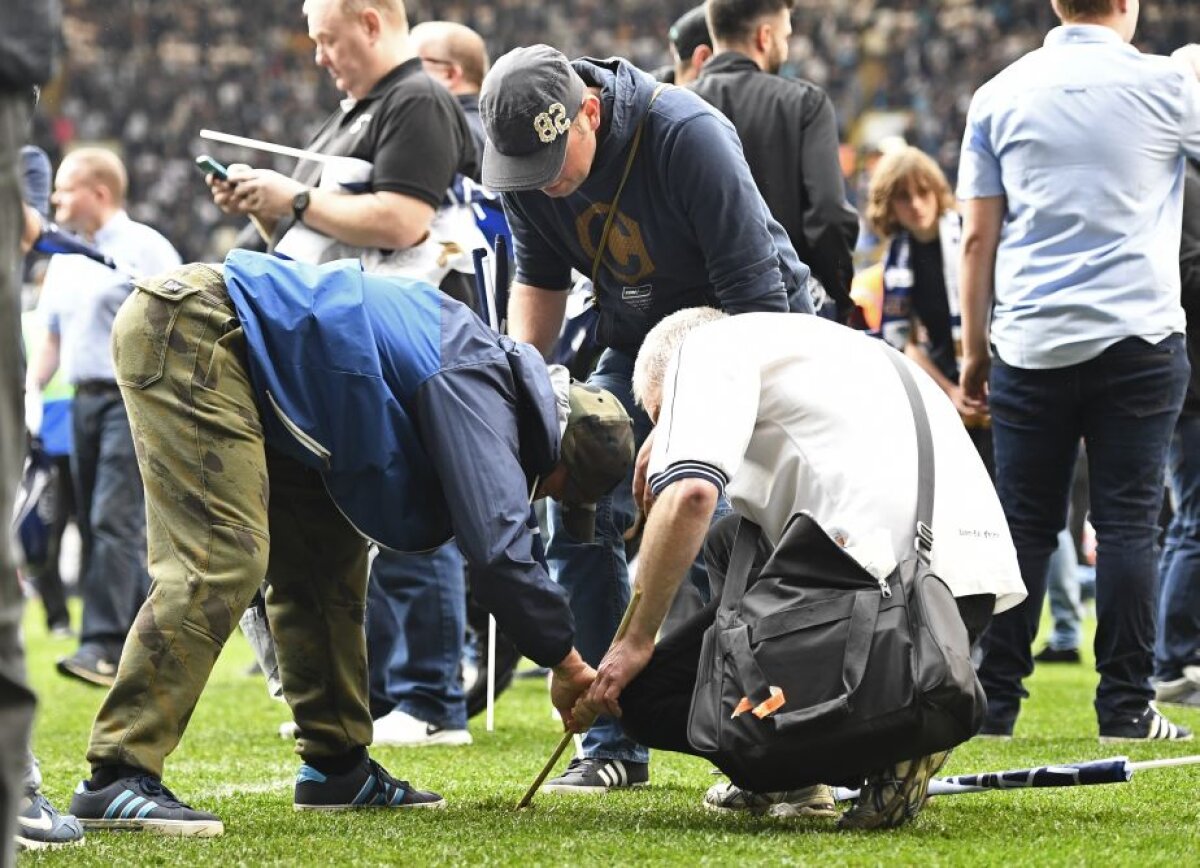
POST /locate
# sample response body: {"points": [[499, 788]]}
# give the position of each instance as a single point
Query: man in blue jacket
{"points": [[646, 190], [284, 414]]}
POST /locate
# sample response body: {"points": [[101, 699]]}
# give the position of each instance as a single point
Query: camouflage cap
{"points": [[598, 450]]}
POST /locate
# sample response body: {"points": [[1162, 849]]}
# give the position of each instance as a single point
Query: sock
{"points": [[104, 775], [338, 764]]}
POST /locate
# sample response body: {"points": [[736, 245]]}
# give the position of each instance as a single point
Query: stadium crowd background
{"points": [[145, 75]]}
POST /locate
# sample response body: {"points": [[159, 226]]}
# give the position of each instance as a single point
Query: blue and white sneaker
{"points": [[141, 804], [366, 786], [40, 826]]}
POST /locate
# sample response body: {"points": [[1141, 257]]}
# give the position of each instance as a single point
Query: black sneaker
{"points": [[141, 804], [366, 786], [1148, 726], [1057, 655], [40, 826], [596, 775], [90, 665]]}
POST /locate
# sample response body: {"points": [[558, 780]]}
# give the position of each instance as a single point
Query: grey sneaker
{"points": [[814, 801], [366, 786], [895, 796], [1181, 691], [89, 665], [141, 804], [40, 826], [595, 775]]}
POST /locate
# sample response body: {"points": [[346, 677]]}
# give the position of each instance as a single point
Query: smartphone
{"points": [[209, 166]]}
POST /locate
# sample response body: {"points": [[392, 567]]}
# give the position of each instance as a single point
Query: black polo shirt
{"points": [[409, 127]]}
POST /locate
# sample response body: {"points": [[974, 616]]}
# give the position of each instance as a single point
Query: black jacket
{"points": [[789, 135]]}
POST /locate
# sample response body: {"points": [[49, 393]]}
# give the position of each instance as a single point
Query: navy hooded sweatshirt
{"points": [[691, 228]]}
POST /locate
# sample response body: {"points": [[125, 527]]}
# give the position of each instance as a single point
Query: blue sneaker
{"points": [[141, 804], [365, 786], [40, 826]]}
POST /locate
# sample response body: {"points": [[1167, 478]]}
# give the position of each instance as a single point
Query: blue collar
{"points": [[1068, 33]]}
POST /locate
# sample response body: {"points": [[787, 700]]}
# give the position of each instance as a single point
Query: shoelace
{"points": [[154, 787], [385, 777]]}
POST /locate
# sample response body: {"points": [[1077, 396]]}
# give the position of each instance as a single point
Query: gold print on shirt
{"points": [[626, 256]]}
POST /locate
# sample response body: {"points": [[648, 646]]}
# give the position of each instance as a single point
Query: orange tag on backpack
{"points": [[764, 709]]}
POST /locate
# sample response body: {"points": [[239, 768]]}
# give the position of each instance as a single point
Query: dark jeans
{"points": [[1123, 403], [655, 705], [1179, 597], [112, 519], [47, 578]]}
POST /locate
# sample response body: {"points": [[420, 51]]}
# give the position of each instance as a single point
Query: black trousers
{"points": [[655, 705]]}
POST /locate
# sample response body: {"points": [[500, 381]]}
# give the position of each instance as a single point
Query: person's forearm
{"points": [[535, 315], [981, 236], [917, 353], [386, 221], [674, 535], [45, 365]]}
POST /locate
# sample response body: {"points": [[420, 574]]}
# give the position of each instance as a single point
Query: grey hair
{"points": [[660, 346]]}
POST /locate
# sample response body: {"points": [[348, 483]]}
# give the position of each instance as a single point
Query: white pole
{"points": [[270, 147], [1164, 763], [491, 674]]}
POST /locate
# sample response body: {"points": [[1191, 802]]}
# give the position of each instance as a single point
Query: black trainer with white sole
{"points": [[1150, 725], [368, 785], [141, 804], [596, 775]]}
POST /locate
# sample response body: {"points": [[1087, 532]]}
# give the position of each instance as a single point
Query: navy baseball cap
{"points": [[527, 103], [689, 32]]}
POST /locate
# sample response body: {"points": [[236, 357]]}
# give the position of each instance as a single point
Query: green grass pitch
{"points": [[232, 762]]}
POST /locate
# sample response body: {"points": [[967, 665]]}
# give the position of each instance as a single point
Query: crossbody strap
{"points": [[612, 208], [741, 561], [923, 541]]}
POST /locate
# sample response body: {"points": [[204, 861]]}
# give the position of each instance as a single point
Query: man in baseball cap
{"points": [[687, 228], [691, 44], [528, 103]]}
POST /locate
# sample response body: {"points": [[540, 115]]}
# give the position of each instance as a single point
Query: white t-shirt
{"points": [[789, 413]]}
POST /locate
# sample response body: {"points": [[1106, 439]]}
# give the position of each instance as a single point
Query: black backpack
{"points": [[821, 673]]}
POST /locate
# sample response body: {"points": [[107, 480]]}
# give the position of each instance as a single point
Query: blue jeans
{"points": [[1124, 404], [596, 575], [112, 520], [1179, 597], [1066, 609], [416, 623]]}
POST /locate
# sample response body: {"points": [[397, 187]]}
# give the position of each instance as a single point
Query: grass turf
{"points": [[232, 762]]}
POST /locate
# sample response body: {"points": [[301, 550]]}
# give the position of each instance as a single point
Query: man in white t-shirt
{"points": [[745, 406]]}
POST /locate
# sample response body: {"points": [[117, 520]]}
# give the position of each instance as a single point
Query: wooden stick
{"points": [[566, 737]]}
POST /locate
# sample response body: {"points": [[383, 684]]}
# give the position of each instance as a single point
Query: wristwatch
{"points": [[300, 204]]}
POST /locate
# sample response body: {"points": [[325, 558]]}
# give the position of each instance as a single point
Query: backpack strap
{"points": [[923, 541], [741, 560]]}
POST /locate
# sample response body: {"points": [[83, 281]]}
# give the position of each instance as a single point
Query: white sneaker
{"points": [[400, 729], [1181, 691]]}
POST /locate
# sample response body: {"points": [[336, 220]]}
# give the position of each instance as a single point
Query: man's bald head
{"points": [[452, 53]]}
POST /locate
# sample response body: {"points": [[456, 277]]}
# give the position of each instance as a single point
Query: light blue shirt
{"points": [[80, 298], [1085, 138]]}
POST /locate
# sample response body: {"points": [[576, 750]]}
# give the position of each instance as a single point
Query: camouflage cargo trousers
{"points": [[225, 512]]}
